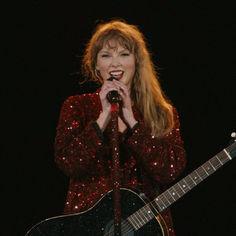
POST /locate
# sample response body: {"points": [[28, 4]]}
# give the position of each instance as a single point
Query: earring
{"points": [[95, 72]]}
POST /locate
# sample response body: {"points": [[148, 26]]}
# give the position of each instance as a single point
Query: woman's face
{"points": [[116, 62]]}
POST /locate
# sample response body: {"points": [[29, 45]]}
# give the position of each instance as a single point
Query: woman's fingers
{"points": [[106, 88], [122, 88]]}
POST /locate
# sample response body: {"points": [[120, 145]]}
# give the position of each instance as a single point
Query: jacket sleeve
{"points": [[164, 158], [77, 142]]}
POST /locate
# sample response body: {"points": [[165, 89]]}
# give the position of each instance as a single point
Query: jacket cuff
{"points": [[134, 127], [99, 132]]}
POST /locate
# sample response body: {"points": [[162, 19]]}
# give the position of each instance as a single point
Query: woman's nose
{"points": [[115, 62]]}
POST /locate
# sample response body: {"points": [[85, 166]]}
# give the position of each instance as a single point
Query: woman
{"points": [[151, 149]]}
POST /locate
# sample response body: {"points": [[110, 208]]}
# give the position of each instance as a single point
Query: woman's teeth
{"points": [[116, 73]]}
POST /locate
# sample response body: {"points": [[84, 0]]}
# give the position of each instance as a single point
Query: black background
{"points": [[193, 45]]}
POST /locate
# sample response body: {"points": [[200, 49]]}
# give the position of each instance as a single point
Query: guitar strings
{"points": [[125, 229]]}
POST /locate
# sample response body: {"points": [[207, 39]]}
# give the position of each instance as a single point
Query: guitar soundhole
{"points": [[126, 230]]}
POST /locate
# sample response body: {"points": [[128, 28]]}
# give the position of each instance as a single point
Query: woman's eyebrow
{"points": [[124, 50], [104, 51], [108, 51]]}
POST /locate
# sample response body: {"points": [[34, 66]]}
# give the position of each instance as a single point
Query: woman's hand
{"points": [[127, 111], [105, 115], [126, 104]]}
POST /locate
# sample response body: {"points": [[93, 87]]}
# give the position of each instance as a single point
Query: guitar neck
{"points": [[178, 190], [167, 198]]}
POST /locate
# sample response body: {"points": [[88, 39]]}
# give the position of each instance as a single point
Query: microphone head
{"points": [[112, 78], [113, 96]]}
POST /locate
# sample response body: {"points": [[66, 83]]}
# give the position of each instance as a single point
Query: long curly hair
{"points": [[146, 92]]}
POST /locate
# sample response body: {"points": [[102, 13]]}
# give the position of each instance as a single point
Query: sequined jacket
{"points": [[84, 154]]}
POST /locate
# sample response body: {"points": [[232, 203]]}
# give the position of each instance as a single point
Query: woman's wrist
{"points": [[103, 120], [132, 122]]}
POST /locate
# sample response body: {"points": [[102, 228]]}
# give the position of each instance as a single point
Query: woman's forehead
{"points": [[114, 45]]}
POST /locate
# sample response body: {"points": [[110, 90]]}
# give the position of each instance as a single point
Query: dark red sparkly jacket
{"points": [[84, 154]]}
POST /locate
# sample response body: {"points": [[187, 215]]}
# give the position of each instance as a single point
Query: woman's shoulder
{"points": [[83, 98], [86, 102]]}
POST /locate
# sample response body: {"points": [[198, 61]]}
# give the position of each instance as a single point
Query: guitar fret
{"points": [[208, 168], [162, 201], [133, 222], [175, 191], [181, 188], [231, 150], [138, 213], [189, 181], [137, 220], [212, 165], [125, 224], [204, 170], [227, 154], [146, 219], [184, 186], [149, 212], [143, 216], [224, 156], [178, 190], [225, 159], [172, 194], [158, 204], [169, 203], [144, 213], [198, 175], [195, 177], [186, 183], [170, 198], [219, 160], [155, 208], [216, 162], [192, 179]]}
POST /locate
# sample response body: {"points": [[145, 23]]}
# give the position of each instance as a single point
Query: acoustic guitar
{"points": [[139, 218]]}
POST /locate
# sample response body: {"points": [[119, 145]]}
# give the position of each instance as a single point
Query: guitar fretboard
{"points": [[164, 200]]}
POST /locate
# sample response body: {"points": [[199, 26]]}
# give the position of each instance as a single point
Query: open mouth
{"points": [[117, 74]]}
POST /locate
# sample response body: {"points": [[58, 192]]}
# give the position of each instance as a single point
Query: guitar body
{"points": [[98, 220], [135, 213]]}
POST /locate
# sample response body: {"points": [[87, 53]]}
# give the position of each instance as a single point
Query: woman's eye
{"points": [[125, 54], [104, 55]]}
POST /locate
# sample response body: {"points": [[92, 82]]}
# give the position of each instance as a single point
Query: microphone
{"points": [[113, 96]]}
